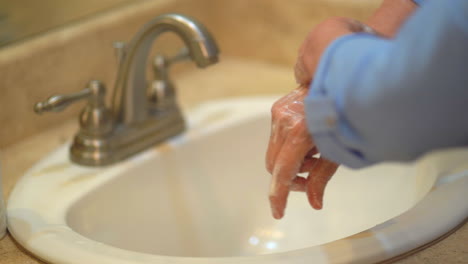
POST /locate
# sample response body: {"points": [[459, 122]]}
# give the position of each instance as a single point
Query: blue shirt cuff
{"points": [[323, 124], [323, 117]]}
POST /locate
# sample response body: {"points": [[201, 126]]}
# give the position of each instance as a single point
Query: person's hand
{"points": [[290, 151], [390, 16], [291, 148], [317, 42], [385, 22]]}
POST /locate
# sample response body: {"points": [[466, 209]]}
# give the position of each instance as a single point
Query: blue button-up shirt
{"points": [[374, 99]]}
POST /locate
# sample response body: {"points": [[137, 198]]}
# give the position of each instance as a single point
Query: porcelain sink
{"points": [[202, 198]]}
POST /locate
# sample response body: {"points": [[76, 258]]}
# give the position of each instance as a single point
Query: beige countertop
{"points": [[16, 159]]}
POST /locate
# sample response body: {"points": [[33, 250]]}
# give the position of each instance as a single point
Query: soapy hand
{"points": [[290, 151], [291, 148]]}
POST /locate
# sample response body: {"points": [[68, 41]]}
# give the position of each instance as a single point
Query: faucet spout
{"points": [[130, 103]]}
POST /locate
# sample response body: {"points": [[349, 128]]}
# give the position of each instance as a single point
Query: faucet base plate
{"points": [[119, 146]]}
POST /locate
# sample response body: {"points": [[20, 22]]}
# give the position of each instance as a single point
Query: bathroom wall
{"points": [[64, 60], [17, 23]]}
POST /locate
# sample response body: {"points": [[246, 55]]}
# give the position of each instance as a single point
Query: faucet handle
{"points": [[57, 103], [182, 55], [95, 119], [161, 63], [161, 92]]}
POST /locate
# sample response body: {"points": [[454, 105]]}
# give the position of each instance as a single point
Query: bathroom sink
{"points": [[201, 197]]}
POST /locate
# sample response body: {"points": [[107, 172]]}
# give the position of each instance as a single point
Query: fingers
{"points": [[298, 184], [286, 167], [285, 114], [317, 181], [313, 151], [308, 165], [289, 143], [276, 136], [283, 180], [314, 186], [274, 146], [278, 199]]}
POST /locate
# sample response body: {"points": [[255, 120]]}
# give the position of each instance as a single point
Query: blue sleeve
{"points": [[374, 99]]}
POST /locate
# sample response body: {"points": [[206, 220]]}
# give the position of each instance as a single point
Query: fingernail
{"points": [[315, 201], [318, 203], [275, 211], [277, 214]]}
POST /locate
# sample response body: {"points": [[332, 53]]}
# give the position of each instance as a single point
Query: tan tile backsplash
{"points": [[64, 60]]}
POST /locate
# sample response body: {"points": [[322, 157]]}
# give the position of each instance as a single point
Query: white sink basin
{"points": [[202, 198]]}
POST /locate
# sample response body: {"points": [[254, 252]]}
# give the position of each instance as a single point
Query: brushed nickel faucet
{"points": [[139, 118]]}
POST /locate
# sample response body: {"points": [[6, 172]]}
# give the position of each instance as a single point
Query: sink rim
{"points": [[385, 241]]}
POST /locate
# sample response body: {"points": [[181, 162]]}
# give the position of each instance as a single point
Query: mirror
{"points": [[23, 19]]}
